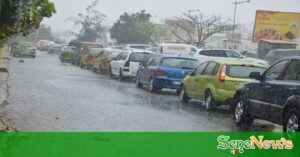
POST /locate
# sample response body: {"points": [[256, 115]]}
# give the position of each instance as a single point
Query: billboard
{"points": [[273, 25]]}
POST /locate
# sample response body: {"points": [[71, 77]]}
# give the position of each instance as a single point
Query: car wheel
{"points": [[292, 121], [209, 105], [183, 97], [240, 115], [137, 82], [121, 77], [100, 69], [152, 87], [111, 73]]}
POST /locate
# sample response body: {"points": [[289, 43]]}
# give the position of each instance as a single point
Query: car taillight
{"points": [[126, 64], [222, 75], [159, 72]]}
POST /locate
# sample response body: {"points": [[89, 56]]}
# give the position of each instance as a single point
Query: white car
{"points": [[210, 54], [136, 47], [126, 64], [176, 48]]}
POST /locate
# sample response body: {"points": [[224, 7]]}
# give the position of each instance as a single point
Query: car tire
{"points": [[121, 77], [240, 115], [152, 87], [208, 101], [101, 70], [137, 82], [183, 97], [111, 73], [291, 121]]}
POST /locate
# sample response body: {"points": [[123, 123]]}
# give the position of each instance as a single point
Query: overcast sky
{"points": [[162, 9]]}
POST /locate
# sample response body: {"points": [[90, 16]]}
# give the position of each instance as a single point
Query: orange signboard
{"points": [[273, 25]]}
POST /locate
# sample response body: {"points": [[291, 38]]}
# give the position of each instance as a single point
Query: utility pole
{"points": [[234, 16]]}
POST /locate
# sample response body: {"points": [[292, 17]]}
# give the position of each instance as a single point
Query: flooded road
{"points": [[47, 95]]}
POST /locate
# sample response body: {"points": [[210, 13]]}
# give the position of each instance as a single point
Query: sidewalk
{"points": [[4, 74]]}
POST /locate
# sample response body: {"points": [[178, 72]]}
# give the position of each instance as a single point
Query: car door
{"points": [[194, 81], [143, 71], [262, 92], [151, 69], [287, 86], [114, 64], [207, 77]]}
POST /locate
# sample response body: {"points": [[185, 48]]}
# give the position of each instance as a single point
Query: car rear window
{"points": [[180, 63], [242, 71], [140, 57]]}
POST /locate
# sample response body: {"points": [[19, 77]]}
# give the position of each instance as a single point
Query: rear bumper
{"points": [[224, 95], [162, 82]]}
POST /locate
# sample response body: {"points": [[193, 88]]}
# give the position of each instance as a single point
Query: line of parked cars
{"points": [[250, 87]]}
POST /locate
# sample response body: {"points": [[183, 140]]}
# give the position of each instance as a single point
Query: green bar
{"points": [[134, 145]]}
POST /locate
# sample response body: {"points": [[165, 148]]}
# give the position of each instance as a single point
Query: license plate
{"points": [[176, 82]]}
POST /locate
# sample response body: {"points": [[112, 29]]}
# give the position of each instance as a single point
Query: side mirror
{"points": [[255, 75], [192, 73]]}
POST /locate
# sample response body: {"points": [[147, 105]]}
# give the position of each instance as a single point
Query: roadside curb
{"points": [[5, 125]]}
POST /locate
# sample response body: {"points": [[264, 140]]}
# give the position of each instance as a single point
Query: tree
{"points": [[134, 28], [200, 26], [21, 16], [90, 23]]}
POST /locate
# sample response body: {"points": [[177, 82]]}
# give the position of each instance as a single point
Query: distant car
{"points": [[165, 71], [81, 49], [23, 49], [127, 63], [278, 54], [55, 49], [102, 61], [66, 54], [215, 82], [274, 96], [152, 49], [43, 45], [210, 54], [88, 58]]}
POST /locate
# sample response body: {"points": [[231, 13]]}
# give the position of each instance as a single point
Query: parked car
{"points": [[136, 47], [88, 58], [278, 54], [82, 48], [274, 96], [43, 44], [23, 49], [210, 54], [66, 54], [127, 63], [214, 82], [102, 61], [165, 71], [55, 48]]}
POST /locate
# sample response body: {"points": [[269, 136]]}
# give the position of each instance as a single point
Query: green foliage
{"points": [[134, 28], [21, 16], [90, 23]]}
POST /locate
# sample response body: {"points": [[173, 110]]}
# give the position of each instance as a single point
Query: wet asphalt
{"points": [[47, 95]]}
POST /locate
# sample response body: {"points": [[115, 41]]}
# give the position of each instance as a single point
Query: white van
{"points": [[176, 48]]}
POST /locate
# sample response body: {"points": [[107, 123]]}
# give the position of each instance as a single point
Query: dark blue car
{"points": [[274, 96], [165, 71]]}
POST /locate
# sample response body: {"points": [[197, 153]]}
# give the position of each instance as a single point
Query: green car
{"points": [[66, 53], [215, 82], [23, 49]]}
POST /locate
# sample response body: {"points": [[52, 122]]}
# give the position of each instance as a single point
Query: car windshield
{"points": [[180, 63], [140, 57], [240, 71]]}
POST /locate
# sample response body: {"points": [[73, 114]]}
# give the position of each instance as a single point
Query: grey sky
{"points": [[161, 9]]}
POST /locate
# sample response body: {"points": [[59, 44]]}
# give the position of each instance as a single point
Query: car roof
{"points": [[176, 56], [215, 49], [235, 61]]}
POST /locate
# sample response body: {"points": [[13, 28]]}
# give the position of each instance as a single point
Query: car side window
{"points": [[119, 56], [206, 53], [124, 56], [219, 53], [210, 69], [200, 69], [274, 72], [293, 72], [153, 61]]}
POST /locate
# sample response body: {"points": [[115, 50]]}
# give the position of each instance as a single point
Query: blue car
{"points": [[165, 71]]}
